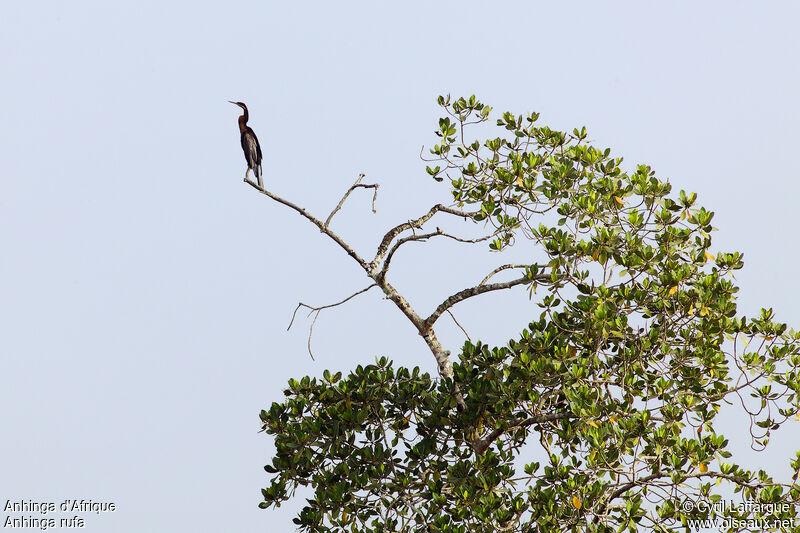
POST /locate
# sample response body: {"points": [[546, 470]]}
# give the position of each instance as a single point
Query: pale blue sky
{"points": [[146, 290]]}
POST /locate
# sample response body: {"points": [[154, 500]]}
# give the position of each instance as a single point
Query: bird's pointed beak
{"points": [[230, 102]]}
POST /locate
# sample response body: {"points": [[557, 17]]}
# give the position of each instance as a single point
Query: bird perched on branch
{"points": [[250, 146]]}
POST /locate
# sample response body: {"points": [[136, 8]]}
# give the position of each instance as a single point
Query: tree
{"points": [[616, 382]]}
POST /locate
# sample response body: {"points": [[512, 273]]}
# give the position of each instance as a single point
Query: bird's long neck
{"points": [[244, 118]]}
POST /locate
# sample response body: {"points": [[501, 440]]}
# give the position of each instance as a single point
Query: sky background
{"points": [[145, 290]]}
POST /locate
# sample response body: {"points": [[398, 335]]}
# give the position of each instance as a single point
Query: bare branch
{"points": [[459, 325], [424, 237], [353, 187], [423, 327], [499, 269], [315, 311], [469, 241], [322, 227], [395, 231], [473, 291], [383, 247], [420, 238]]}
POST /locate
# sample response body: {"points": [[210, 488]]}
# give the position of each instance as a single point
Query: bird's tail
{"points": [[258, 175]]}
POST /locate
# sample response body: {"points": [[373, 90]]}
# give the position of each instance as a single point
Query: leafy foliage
{"points": [[615, 385]]}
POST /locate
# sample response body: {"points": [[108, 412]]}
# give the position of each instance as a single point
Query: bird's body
{"points": [[250, 146]]}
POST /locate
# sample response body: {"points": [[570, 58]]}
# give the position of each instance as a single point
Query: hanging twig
{"points": [[459, 325], [315, 311]]}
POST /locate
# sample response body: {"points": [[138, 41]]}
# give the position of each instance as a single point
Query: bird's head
{"points": [[240, 104]]}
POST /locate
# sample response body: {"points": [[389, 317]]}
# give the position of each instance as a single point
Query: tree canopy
{"points": [[601, 414]]}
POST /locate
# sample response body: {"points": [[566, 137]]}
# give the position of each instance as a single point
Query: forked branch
{"points": [[351, 189], [424, 326], [422, 238], [316, 310], [383, 247]]}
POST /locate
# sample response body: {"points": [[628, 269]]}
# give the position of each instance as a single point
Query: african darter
{"points": [[250, 146]]}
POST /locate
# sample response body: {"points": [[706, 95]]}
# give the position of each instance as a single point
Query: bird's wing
{"points": [[253, 150]]}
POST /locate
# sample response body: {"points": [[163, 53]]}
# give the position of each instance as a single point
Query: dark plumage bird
{"points": [[250, 146]]}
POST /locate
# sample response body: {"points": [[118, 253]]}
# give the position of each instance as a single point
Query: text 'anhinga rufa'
{"points": [[250, 146]]}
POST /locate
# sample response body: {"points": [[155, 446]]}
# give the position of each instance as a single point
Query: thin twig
{"points": [[315, 311], [498, 269], [461, 239], [459, 325], [353, 187], [301, 304]]}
